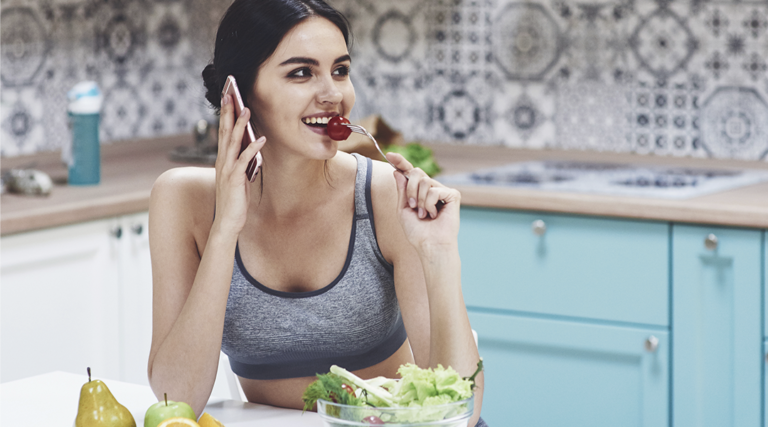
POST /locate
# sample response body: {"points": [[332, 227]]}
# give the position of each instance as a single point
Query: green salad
{"points": [[419, 156], [429, 390]]}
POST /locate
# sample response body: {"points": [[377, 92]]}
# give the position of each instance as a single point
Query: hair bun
{"points": [[212, 89]]}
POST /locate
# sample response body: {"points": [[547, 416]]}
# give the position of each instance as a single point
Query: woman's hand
{"points": [[232, 186], [428, 210]]}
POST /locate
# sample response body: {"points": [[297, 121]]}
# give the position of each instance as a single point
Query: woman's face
{"points": [[306, 78]]}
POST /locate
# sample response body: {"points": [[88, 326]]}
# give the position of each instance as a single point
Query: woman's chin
{"points": [[322, 149], [330, 148]]}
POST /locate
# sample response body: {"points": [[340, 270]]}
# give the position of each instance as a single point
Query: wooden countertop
{"points": [[130, 168]]}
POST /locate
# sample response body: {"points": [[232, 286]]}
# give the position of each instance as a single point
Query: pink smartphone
{"points": [[230, 88]]}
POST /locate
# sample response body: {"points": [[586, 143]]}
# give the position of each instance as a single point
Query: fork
{"points": [[361, 130]]}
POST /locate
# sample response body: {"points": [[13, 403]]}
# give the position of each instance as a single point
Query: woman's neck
{"points": [[292, 185]]}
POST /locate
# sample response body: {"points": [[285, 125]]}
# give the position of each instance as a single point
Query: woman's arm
{"points": [[189, 295], [429, 259], [190, 290]]}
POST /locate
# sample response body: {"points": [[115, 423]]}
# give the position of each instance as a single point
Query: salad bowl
{"points": [[454, 414]]}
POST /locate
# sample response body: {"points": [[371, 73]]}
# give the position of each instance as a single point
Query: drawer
{"points": [[584, 267], [541, 372]]}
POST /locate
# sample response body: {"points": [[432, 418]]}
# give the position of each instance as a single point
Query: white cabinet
{"points": [[77, 296], [135, 271]]}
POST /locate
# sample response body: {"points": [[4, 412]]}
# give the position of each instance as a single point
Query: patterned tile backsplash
{"points": [[663, 77]]}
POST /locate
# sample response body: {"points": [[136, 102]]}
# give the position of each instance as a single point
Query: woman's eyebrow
{"points": [[342, 59], [300, 60], [311, 61]]}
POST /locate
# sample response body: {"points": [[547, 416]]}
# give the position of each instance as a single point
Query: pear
{"points": [[99, 408]]}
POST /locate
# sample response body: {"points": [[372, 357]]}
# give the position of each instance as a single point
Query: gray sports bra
{"points": [[353, 322]]}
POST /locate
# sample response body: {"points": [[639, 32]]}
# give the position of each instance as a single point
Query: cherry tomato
{"points": [[347, 388], [373, 420], [336, 130]]}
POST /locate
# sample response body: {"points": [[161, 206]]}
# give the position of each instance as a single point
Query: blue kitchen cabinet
{"points": [[717, 362], [545, 372], [572, 315], [765, 379], [580, 267]]}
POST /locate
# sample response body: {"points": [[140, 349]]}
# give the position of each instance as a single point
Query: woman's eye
{"points": [[341, 71], [301, 73]]}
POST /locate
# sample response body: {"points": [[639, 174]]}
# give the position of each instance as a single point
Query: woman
{"points": [[326, 258]]}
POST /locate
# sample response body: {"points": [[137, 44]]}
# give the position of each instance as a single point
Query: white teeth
{"points": [[316, 120]]}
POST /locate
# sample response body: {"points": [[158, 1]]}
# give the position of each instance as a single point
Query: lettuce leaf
{"points": [[328, 387], [417, 385]]}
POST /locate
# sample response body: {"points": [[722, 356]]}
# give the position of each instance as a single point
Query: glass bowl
{"points": [[454, 414]]}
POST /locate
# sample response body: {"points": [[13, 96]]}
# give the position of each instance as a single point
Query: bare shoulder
{"points": [[185, 185], [184, 197], [383, 186]]}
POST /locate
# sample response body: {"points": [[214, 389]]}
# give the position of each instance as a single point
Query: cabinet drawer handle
{"points": [[651, 344], [539, 227], [710, 242], [137, 229], [116, 232]]}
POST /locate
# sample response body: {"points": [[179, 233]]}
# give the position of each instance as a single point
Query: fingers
{"points": [[422, 194], [439, 197], [401, 182], [251, 150], [418, 185], [231, 131], [249, 153], [236, 139], [400, 162], [430, 202], [226, 123]]}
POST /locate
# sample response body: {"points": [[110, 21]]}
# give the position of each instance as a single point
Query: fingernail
{"points": [[242, 113], [225, 100], [412, 203], [421, 213]]}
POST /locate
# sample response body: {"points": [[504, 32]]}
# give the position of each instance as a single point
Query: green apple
{"points": [[165, 409]]}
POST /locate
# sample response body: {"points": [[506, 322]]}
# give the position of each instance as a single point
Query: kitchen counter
{"points": [[742, 207], [130, 168], [52, 400]]}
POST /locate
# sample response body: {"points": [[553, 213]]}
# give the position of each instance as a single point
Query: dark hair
{"points": [[248, 35]]}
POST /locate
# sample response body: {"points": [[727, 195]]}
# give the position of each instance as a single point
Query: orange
{"points": [[206, 420], [178, 422]]}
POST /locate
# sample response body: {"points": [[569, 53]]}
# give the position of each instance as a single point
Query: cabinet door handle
{"points": [[116, 232], [539, 227], [137, 229], [651, 344], [710, 242]]}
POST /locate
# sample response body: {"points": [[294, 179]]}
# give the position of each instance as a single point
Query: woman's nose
{"points": [[329, 92]]}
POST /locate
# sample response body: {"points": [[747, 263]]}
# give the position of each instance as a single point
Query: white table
{"points": [[51, 399]]}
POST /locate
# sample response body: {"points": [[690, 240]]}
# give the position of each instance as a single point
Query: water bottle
{"points": [[83, 154]]}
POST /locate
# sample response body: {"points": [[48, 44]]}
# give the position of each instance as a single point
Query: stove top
{"points": [[611, 178]]}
